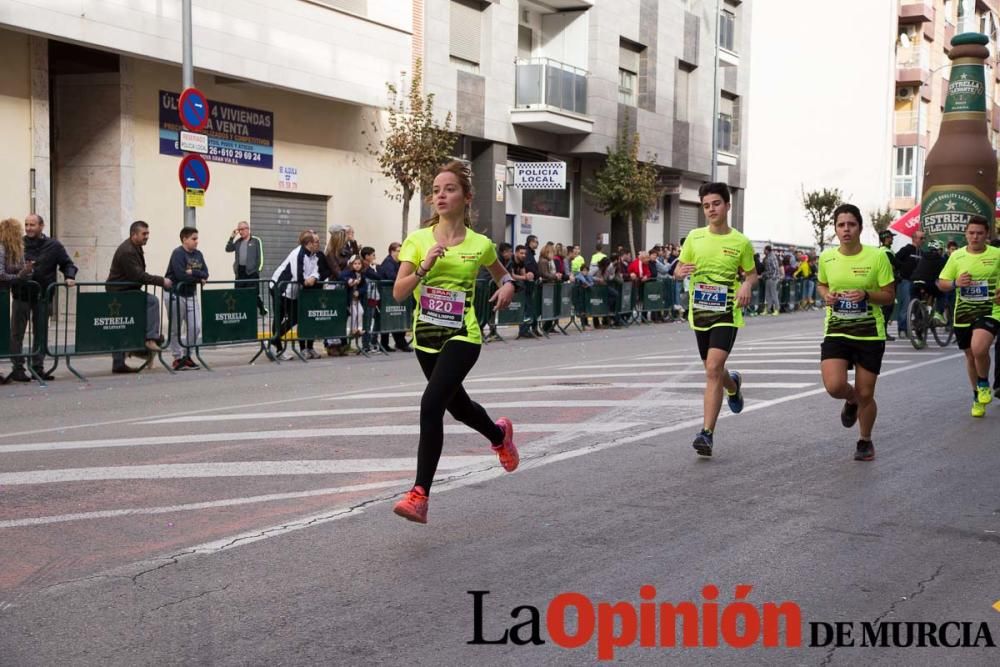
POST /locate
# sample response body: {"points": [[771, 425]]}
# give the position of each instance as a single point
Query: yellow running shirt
{"points": [[446, 295], [868, 270], [712, 293], [976, 300]]}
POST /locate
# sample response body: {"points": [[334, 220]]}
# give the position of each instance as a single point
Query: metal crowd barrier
{"points": [[23, 301], [224, 313], [104, 318], [303, 314]]}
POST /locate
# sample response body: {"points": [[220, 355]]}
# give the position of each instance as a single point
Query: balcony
{"points": [[916, 11], [551, 96], [907, 127], [913, 65]]}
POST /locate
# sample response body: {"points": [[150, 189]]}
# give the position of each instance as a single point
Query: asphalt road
{"points": [[243, 517]]}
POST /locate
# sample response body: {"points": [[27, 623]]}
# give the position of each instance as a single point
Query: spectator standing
{"points": [[248, 261], [299, 269], [523, 278], [388, 270], [906, 261], [354, 277], [549, 274], [559, 259], [129, 266], [531, 263], [885, 238], [187, 269], [337, 253], [12, 269], [772, 280]]}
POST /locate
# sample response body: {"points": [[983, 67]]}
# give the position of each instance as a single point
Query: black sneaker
{"points": [[865, 451], [849, 415], [703, 443]]}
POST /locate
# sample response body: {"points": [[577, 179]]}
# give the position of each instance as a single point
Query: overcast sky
{"points": [[822, 82]]}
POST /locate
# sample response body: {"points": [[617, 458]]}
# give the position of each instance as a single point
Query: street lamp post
{"points": [[187, 81]]}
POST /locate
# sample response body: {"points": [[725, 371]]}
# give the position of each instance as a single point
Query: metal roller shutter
{"points": [[688, 220], [278, 218]]}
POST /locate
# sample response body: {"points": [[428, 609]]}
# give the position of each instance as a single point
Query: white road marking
{"points": [[581, 385], [291, 434], [233, 469], [259, 534], [732, 361], [509, 405], [188, 507]]}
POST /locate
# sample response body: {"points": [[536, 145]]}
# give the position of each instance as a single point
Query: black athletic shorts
{"points": [[964, 334], [865, 353], [721, 338]]}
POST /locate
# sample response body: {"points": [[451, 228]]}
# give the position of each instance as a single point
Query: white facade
{"points": [[822, 90]]}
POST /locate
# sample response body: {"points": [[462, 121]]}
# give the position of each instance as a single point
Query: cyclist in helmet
{"points": [[925, 276]]}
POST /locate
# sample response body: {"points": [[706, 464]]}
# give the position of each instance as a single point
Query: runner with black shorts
{"points": [[975, 271], [854, 281], [713, 256], [440, 262]]}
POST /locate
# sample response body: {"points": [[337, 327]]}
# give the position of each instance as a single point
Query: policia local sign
{"points": [[540, 175]]}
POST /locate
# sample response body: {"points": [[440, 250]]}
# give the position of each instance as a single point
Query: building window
{"points": [[728, 131], [628, 73], [546, 202], [905, 174], [727, 30], [466, 33], [626, 87], [682, 92]]}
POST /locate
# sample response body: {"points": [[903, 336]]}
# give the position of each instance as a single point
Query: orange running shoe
{"points": [[507, 450], [413, 505]]}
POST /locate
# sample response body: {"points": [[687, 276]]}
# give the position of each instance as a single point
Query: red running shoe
{"points": [[507, 450], [413, 505]]}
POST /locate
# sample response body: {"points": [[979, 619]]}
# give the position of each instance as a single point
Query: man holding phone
{"points": [[42, 257], [249, 260]]}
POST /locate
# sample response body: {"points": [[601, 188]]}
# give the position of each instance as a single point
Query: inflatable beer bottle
{"points": [[961, 170]]}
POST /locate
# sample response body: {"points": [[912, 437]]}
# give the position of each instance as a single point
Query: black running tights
{"points": [[445, 372]]}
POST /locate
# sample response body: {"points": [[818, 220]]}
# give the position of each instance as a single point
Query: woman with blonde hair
{"points": [[12, 264], [11, 252], [439, 264]]}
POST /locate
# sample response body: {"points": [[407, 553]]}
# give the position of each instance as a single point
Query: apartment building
{"points": [[554, 80], [88, 94], [925, 29]]}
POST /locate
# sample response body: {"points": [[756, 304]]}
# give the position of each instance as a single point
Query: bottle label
{"points": [[966, 90], [946, 209]]}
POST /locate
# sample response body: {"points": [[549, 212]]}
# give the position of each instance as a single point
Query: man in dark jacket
{"points": [[129, 266], [43, 256], [249, 260], [387, 271], [906, 262]]}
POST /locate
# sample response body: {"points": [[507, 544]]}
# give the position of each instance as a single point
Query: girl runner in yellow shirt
{"points": [[440, 263]]}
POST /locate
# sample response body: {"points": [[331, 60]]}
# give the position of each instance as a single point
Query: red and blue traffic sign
{"points": [[193, 173], [193, 110]]}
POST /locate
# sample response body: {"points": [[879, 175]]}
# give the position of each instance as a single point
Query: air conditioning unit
{"points": [[904, 93]]}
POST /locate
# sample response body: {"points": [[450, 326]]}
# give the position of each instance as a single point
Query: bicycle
{"points": [[921, 316]]}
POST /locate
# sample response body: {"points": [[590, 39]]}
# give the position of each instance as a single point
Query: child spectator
{"points": [[354, 277], [186, 270]]}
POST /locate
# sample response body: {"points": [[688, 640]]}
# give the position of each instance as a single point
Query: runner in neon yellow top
{"points": [[853, 282], [975, 272], [866, 270], [718, 258], [713, 257], [439, 263], [446, 296]]}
